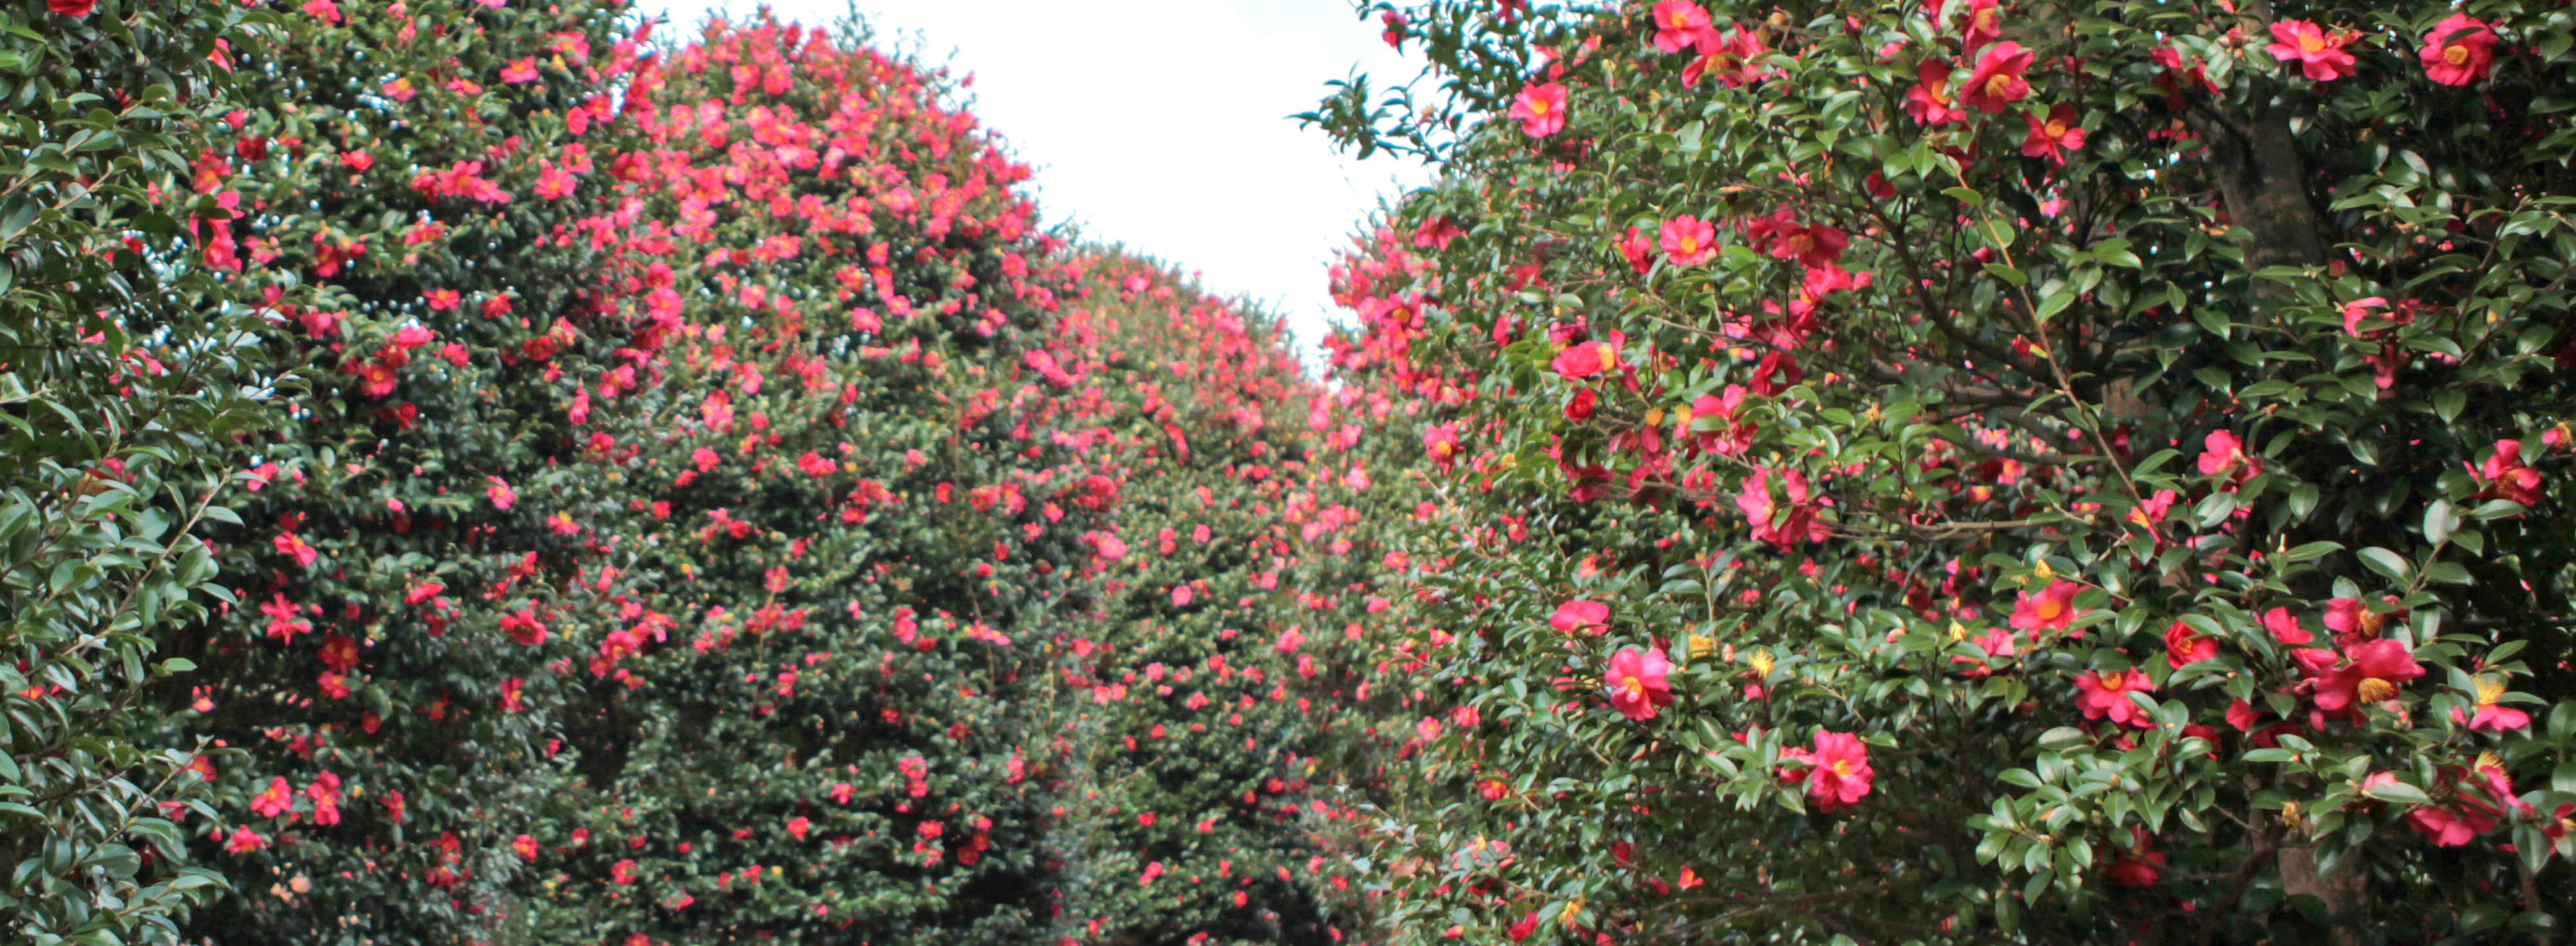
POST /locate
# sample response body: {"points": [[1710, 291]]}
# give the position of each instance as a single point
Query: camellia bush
{"points": [[115, 405], [456, 303], [1973, 471]]}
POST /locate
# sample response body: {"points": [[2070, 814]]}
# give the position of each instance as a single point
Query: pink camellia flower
{"points": [[2319, 54], [1575, 616], [2459, 50], [1997, 81], [244, 840], [2371, 675], [2285, 627], [523, 69], [2223, 452], [2480, 796], [500, 493], [2357, 310], [2504, 476], [2053, 136], [293, 545], [1638, 687], [2491, 713], [1639, 249], [275, 800], [1540, 109], [1678, 24], [1585, 359], [1731, 55], [2049, 610], [1689, 241], [1838, 772], [1441, 442], [2153, 511], [2106, 695], [1782, 524]]}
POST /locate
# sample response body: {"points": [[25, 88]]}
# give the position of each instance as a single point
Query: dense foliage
{"points": [[2040, 471], [423, 196], [115, 405]]}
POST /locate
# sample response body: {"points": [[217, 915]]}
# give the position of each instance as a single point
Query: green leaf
{"points": [[2306, 551], [2007, 274], [2386, 563], [2399, 792]]}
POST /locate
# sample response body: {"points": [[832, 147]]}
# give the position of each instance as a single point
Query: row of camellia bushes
{"points": [[488, 472]]}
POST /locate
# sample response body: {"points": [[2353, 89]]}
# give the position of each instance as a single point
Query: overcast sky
{"points": [[1161, 124]]}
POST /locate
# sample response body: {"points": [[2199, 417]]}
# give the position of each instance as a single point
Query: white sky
{"points": [[1160, 124]]}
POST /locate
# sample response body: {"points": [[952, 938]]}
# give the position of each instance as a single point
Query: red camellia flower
{"points": [[1997, 81], [2319, 54], [1678, 24], [2052, 137], [1637, 684], [2048, 610], [72, 8], [525, 846], [2370, 675], [2353, 623], [1689, 241], [2184, 645], [376, 377], [1979, 24], [1838, 772], [2458, 51], [1818, 245], [1579, 407], [1540, 109], [2106, 694], [2140, 865], [1575, 616]]}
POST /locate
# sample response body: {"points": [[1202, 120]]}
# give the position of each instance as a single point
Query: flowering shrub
{"points": [[2085, 477], [115, 406], [458, 308]]}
